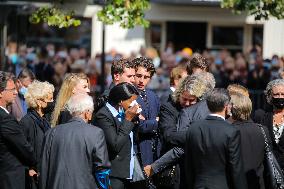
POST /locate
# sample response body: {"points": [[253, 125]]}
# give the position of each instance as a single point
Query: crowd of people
{"points": [[198, 134], [51, 63]]}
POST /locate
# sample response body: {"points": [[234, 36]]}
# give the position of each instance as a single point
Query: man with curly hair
{"points": [[148, 143], [197, 64]]}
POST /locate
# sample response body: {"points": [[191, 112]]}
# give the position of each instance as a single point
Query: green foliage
{"points": [[128, 13], [54, 17], [261, 9]]}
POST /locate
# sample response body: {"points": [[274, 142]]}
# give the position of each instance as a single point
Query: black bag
{"points": [[139, 174], [274, 172], [166, 178]]}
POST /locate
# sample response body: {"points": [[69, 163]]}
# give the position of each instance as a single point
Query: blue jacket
{"points": [[147, 130]]}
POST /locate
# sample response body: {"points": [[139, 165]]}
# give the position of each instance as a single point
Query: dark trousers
{"points": [[119, 183]]}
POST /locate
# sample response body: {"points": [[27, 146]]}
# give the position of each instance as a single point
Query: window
{"points": [[228, 36], [257, 34], [156, 35]]}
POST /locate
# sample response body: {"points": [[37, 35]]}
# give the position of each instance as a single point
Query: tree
{"points": [[260, 9], [128, 13], [54, 16]]}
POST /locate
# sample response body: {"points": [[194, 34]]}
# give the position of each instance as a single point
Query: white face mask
{"points": [[23, 91]]}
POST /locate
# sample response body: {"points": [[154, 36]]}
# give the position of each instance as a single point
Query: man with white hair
{"points": [[75, 153]]}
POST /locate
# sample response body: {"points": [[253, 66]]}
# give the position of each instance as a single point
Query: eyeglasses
{"points": [[13, 89]]}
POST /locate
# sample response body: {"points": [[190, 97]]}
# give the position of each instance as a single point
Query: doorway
{"points": [[187, 34]]}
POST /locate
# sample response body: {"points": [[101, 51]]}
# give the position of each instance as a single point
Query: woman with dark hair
{"points": [[116, 120]]}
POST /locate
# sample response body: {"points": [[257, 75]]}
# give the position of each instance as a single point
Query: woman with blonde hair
{"points": [[252, 140], [73, 83], [39, 99]]}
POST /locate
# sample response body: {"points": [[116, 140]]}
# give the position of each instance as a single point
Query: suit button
{"points": [[117, 156]]}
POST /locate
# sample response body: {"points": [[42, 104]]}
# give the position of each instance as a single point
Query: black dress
{"points": [[253, 149]]}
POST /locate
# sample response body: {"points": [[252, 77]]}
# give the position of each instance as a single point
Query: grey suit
{"points": [[193, 113], [186, 118], [72, 154]]}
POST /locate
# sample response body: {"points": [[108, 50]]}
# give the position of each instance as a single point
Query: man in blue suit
{"points": [[147, 136]]}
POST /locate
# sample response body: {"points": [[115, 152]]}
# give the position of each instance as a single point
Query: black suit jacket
{"points": [[118, 141], [213, 155], [187, 116], [253, 149], [168, 115], [15, 153]]}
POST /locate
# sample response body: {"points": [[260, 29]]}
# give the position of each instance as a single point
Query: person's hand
{"points": [[131, 112], [148, 170], [32, 173], [141, 117], [157, 118]]}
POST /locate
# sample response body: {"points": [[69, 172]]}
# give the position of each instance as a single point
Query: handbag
{"points": [[166, 178], [273, 170], [139, 174]]}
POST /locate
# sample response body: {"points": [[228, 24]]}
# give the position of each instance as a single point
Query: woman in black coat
{"points": [[274, 119], [39, 98], [252, 141], [116, 119]]}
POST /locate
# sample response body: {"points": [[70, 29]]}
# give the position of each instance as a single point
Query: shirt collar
{"points": [[172, 89], [113, 111], [217, 115], [5, 109]]}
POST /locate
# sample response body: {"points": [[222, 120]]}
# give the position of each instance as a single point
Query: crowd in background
{"points": [[164, 121], [248, 68], [197, 134]]}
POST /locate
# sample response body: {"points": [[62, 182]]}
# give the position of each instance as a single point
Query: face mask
{"points": [[14, 58], [51, 53], [23, 91], [278, 103], [49, 108]]}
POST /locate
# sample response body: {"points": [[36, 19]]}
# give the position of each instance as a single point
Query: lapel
{"points": [[115, 119], [143, 105], [268, 122]]}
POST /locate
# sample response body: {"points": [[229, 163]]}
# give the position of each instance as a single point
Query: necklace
{"points": [[278, 119]]}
